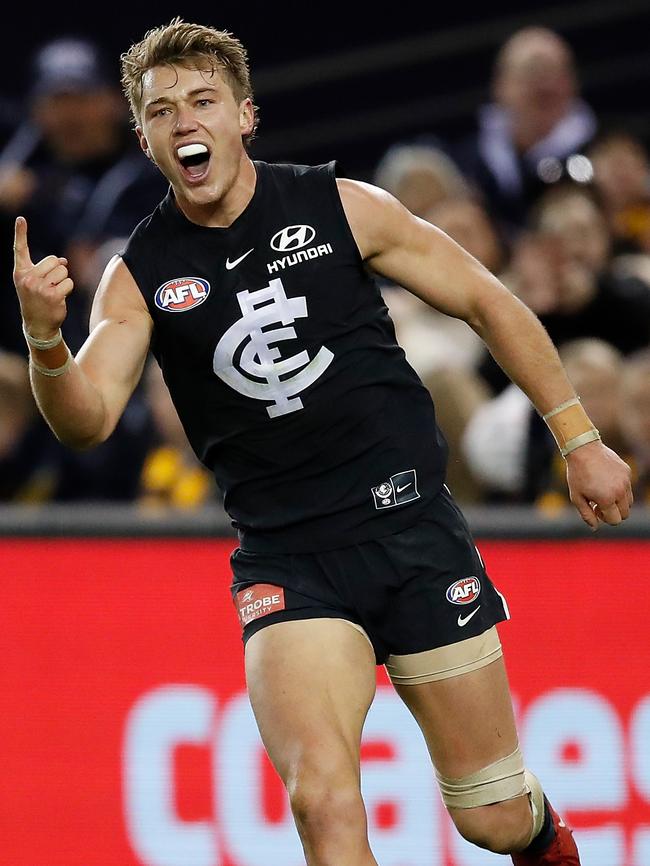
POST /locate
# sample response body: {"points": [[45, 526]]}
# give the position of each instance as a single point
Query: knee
{"points": [[501, 827], [326, 804], [505, 825]]}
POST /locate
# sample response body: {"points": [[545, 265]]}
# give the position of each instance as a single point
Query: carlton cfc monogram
{"points": [[262, 361]]}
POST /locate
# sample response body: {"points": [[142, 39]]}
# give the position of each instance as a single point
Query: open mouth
{"points": [[194, 160]]}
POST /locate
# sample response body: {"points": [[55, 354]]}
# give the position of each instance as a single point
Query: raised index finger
{"points": [[22, 258]]}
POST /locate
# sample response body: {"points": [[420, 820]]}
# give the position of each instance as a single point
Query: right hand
{"points": [[599, 484], [42, 287]]}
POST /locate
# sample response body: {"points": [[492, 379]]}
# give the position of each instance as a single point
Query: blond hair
{"points": [[183, 43]]}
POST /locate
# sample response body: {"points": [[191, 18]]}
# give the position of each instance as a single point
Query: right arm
{"points": [[84, 404]]}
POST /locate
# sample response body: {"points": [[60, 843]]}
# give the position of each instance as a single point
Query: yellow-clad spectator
{"points": [[171, 475]]}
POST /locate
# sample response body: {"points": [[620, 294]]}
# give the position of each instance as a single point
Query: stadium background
{"points": [[336, 78], [125, 734]]}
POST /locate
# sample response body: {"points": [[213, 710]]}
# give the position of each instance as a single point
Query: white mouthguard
{"points": [[191, 150]]}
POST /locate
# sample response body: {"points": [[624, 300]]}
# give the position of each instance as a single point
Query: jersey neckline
{"points": [[175, 215]]}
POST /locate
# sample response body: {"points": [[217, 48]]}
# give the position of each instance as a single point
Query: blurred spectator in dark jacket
{"points": [[74, 169], [562, 271], [529, 136], [622, 181]]}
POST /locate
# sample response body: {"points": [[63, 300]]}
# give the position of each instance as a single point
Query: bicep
{"points": [[416, 255], [115, 352]]}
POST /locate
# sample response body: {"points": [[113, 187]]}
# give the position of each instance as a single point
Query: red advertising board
{"points": [[126, 736]]}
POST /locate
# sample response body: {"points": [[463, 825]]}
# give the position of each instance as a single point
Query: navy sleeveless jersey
{"points": [[282, 363]]}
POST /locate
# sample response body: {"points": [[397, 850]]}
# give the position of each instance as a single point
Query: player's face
{"points": [[192, 128]]}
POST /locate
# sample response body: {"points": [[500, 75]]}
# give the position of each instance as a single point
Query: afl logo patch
{"points": [[464, 591], [181, 294]]}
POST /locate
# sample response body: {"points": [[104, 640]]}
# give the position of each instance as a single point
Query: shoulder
{"points": [[376, 218], [118, 293], [361, 197], [118, 279]]}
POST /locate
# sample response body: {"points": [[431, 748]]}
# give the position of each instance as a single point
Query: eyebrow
{"points": [[195, 92]]}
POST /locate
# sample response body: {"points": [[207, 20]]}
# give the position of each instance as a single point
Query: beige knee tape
{"points": [[505, 779], [536, 795]]}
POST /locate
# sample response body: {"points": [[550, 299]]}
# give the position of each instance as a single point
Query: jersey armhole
{"points": [[125, 256], [334, 170], [153, 346]]}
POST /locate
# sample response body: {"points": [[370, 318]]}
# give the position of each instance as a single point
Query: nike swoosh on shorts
{"points": [[464, 620]]}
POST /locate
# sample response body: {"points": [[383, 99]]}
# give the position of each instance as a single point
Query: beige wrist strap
{"points": [[571, 426], [574, 401], [48, 371], [589, 436], [43, 345]]}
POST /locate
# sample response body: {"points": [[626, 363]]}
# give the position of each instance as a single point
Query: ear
{"points": [[246, 116], [144, 144]]}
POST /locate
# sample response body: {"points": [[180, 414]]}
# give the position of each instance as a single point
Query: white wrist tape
{"points": [[43, 344], [570, 426], [574, 401], [47, 371], [589, 436]]}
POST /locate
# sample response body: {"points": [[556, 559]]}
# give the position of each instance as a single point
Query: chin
{"points": [[205, 196], [199, 195]]}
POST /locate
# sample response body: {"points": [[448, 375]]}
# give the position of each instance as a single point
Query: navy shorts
{"points": [[416, 590]]}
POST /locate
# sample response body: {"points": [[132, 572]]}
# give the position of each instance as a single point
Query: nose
{"points": [[185, 120]]}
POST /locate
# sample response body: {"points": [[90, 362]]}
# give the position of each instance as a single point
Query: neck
{"points": [[235, 194]]}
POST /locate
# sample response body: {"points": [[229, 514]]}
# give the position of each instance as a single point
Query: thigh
{"points": [[467, 720], [311, 683]]}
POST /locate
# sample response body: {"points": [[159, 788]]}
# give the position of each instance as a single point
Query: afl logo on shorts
{"points": [[182, 294], [464, 591]]}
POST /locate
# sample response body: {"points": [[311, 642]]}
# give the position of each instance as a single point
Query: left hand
{"points": [[599, 484]]}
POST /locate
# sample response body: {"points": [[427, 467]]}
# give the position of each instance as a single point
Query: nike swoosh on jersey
{"points": [[399, 489], [464, 620], [230, 265]]}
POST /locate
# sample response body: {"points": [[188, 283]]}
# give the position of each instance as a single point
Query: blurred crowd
{"points": [[548, 199]]}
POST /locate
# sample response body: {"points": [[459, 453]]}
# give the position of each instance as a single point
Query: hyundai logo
{"points": [[292, 238]]}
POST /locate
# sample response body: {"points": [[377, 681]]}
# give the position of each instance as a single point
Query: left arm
{"points": [[424, 260]]}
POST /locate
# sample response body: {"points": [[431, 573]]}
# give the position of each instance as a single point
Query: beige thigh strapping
{"points": [[446, 661]]}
